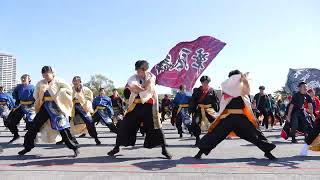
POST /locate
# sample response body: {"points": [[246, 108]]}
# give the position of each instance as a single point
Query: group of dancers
{"points": [[59, 112]]}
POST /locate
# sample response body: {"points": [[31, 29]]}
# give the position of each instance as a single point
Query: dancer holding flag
{"points": [[183, 65], [204, 103], [143, 107], [235, 117]]}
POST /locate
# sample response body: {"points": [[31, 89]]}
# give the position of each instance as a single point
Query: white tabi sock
{"points": [[304, 150]]}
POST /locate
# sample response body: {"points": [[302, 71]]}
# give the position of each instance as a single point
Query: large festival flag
{"points": [[186, 61], [309, 75]]}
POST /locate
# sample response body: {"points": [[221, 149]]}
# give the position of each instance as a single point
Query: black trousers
{"points": [[313, 134], [163, 113], [89, 124], [130, 125], [14, 119], [242, 127], [113, 128], [41, 117], [299, 122]]}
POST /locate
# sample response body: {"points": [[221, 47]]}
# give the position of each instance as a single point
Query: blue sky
{"points": [[79, 37]]}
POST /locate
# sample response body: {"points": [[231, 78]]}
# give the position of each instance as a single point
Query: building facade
{"points": [[8, 71]]}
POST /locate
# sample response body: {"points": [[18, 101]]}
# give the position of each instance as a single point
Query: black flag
{"points": [[309, 75]]}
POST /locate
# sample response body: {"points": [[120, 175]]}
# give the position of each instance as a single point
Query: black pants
{"points": [[164, 112], [89, 124], [5, 122], [130, 125], [96, 117], [313, 134], [242, 127], [299, 122], [14, 119], [265, 114], [41, 117]]}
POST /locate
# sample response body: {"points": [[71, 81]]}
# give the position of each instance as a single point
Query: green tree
{"points": [[98, 81], [282, 93], [120, 91]]}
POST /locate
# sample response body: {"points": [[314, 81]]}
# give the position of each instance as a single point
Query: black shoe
{"points": [[97, 142], [166, 154], [82, 135], [24, 151], [59, 142], [198, 156], [113, 152], [76, 152], [15, 137], [181, 135], [270, 156]]}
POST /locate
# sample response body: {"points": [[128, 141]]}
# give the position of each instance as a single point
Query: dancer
{"points": [[296, 112], [165, 107], [235, 117], [204, 103], [6, 104], [82, 109], [53, 100], [143, 107], [261, 102], [103, 111], [117, 106], [180, 114], [23, 94]]}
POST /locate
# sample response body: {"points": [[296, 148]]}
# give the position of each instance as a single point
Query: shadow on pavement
{"points": [[70, 161], [29, 157], [300, 141], [289, 162], [52, 146]]}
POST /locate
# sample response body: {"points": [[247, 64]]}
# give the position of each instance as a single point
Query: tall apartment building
{"points": [[8, 71]]}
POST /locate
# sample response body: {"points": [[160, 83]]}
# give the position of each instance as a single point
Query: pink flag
{"points": [[186, 61]]}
